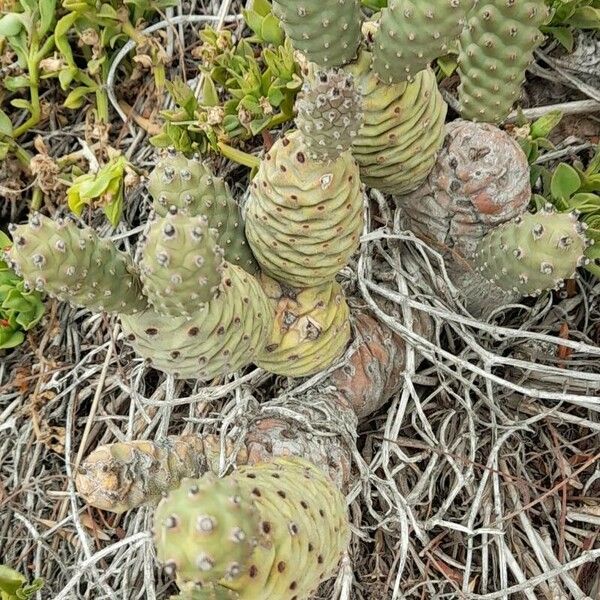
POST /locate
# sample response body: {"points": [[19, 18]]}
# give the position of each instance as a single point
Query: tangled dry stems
{"points": [[480, 480]]}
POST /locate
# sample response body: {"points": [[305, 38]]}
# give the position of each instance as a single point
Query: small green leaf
{"points": [[77, 97], [447, 64], [21, 103], [47, 10], [585, 17], [544, 126], [271, 31], [565, 181], [10, 25], [6, 127], [563, 35], [114, 209]]}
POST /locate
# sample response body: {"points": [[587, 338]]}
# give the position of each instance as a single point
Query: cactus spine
{"points": [[413, 33], [310, 331], [496, 48], [270, 531], [533, 253], [191, 187], [327, 32], [304, 216], [402, 131]]}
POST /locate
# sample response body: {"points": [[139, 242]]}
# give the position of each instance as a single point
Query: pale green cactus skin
{"points": [[402, 131], [533, 253], [191, 591], [272, 531], [222, 333], [496, 48], [412, 33], [310, 331], [72, 263], [304, 216], [182, 264], [329, 114], [221, 336], [327, 32], [190, 186]]}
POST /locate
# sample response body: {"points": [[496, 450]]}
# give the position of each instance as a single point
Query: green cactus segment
{"points": [[220, 337], [329, 114], [310, 332], [413, 33], [533, 253], [327, 32], [402, 131], [495, 50], [303, 218], [182, 264], [75, 265], [272, 531], [192, 591], [190, 186]]}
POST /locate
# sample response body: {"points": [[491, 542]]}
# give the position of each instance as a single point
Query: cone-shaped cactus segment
{"points": [[402, 131], [495, 50], [327, 32], [182, 264], [329, 114], [269, 531], [311, 329], [220, 337], [412, 33], [533, 253], [73, 264], [190, 186]]}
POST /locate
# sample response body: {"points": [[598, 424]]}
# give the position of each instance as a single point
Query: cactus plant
{"points": [[192, 591], [532, 253], [305, 215], [215, 333], [496, 48], [72, 263], [411, 34], [190, 186], [402, 131], [270, 531], [327, 32], [310, 331]]}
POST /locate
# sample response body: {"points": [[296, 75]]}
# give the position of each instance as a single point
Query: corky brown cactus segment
{"points": [[122, 476], [480, 180]]}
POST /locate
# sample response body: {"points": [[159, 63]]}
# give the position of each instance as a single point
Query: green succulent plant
{"points": [[20, 309], [265, 25], [14, 586], [568, 15], [243, 95], [104, 188]]}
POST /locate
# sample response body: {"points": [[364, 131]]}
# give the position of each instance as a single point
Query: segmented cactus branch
{"points": [[402, 130], [533, 253], [190, 186], [327, 32], [413, 33], [72, 263], [120, 477], [496, 48], [329, 114], [304, 216], [310, 331], [480, 180], [182, 264], [272, 531]]}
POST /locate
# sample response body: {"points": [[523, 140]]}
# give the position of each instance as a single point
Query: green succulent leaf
{"points": [[6, 127], [544, 126], [10, 25], [47, 10], [565, 181]]}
